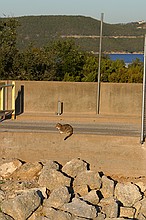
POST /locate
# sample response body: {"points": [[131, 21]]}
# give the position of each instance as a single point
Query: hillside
{"points": [[39, 30]]}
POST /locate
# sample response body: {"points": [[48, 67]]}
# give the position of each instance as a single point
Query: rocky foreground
{"points": [[47, 190]]}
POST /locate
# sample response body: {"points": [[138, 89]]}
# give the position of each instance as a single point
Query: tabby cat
{"points": [[65, 129]]}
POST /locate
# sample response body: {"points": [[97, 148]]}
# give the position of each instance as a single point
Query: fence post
{"points": [[13, 100]]}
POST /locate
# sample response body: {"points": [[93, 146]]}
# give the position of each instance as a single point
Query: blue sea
{"points": [[128, 58]]}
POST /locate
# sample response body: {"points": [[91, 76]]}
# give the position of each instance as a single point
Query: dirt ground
{"points": [[120, 157]]}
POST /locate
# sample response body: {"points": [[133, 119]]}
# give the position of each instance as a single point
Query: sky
{"points": [[115, 11]]}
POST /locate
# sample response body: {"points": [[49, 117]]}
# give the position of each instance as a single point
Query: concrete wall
{"points": [[80, 98], [121, 98]]}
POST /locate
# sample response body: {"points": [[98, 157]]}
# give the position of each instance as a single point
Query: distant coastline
{"points": [[117, 52], [122, 52]]}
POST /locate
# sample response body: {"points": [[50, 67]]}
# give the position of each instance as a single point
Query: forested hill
{"points": [[39, 30]]}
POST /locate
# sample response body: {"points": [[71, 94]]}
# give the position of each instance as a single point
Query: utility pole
{"points": [[143, 120], [99, 64]]}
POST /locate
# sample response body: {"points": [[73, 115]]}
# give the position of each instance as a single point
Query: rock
{"points": [[54, 214], [40, 218], [79, 218], [58, 197], [50, 164], [142, 186], [141, 217], [127, 212], [5, 217], [100, 216], [89, 178], [27, 171], [81, 190], [137, 207], [74, 167], [22, 206], [142, 209], [53, 179], [91, 197], [108, 187], [11, 187], [109, 207], [80, 208], [37, 214], [116, 219], [34, 217], [2, 195], [6, 169], [47, 191], [41, 191], [127, 193]]}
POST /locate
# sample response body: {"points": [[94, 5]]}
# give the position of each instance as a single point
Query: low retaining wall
{"points": [[77, 97]]}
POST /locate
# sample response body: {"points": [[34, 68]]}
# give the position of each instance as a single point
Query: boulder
{"points": [[6, 169], [58, 197], [127, 212], [141, 208], [127, 193], [89, 178], [22, 206], [53, 179], [100, 216], [79, 218], [108, 187], [109, 207], [141, 217], [142, 186], [50, 164], [2, 195], [54, 214], [41, 191], [80, 208], [91, 197], [27, 171], [5, 217], [116, 219], [81, 190], [38, 218], [74, 167]]}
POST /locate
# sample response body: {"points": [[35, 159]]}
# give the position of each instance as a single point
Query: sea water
{"points": [[128, 58]]}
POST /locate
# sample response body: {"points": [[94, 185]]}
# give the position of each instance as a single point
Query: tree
{"points": [[90, 69], [135, 71], [8, 48], [67, 60]]}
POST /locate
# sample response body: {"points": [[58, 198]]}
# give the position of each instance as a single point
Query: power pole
{"points": [[143, 120], [99, 63]]}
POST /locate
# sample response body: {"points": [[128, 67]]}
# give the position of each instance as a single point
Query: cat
{"points": [[65, 128]]}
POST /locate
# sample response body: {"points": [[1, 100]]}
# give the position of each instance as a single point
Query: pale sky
{"points": [[115, 11]]}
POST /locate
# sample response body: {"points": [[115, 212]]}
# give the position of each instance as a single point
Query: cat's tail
{"points": [[68, 136]]}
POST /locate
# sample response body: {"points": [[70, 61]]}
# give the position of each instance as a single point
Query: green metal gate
{"points": [[3, 110]]}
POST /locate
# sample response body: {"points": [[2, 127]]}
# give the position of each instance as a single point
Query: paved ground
{"points": [[100, 128], [109, 143]]}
